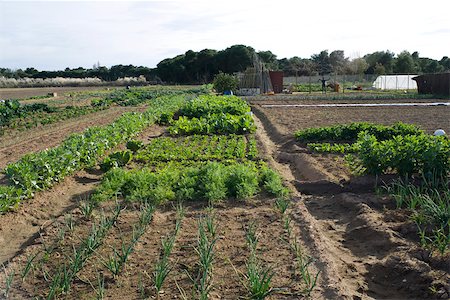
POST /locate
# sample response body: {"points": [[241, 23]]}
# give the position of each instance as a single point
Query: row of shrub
{"points": [[407, 155]]}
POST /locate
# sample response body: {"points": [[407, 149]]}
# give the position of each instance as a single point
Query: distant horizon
{"points": [[109, 66], [55, 35]]}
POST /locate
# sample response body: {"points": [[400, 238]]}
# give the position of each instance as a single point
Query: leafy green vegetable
{"points": [[350, 132]]}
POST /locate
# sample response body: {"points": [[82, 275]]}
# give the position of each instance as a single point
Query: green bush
{"points": [[213, 124], [206, 105], [225, 82], [242, 182]]}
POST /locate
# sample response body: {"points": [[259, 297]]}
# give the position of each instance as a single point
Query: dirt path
{"points": [[366, 249], [15, 144]]}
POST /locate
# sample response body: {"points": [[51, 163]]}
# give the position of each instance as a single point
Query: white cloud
{"points": [[59, 34]]}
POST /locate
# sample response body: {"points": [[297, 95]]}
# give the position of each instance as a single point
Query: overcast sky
{"points": [[58, 34]]}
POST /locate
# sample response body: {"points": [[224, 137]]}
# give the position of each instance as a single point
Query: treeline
{"points": [[200, 67], [103, 73]]}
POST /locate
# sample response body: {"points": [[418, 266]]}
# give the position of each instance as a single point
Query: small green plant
{"points": [[116, 160], [163, 267], [251, 236], [100, 286], [161, 272], [113, 263], [9, 277], [205, 250], [303, 264], [87, 208], [28, 266], [282, 205], [134, 145], [259, 280], [69, 222]]}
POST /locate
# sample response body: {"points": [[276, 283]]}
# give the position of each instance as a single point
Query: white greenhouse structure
{"points": [[395, 82]]}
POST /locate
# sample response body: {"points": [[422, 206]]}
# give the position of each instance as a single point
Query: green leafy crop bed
{"points": [[209, 166], [210, 181], [422, 160], [199, 147], [214, 115], [39, 171]]}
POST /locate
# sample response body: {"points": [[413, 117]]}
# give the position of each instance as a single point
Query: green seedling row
{"points": [[198, 147]]}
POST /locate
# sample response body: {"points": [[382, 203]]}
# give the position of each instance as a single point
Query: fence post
{"points": [[343, 84], [309, 79]]}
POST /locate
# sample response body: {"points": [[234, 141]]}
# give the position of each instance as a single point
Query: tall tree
{"points": [[269, 59], [322, 62], [338, 61], [235, 58], [357, 66], [382, 58], [404, 64]]}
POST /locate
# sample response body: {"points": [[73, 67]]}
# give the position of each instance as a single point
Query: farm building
{"points": [[438, 84], [395, 82]]}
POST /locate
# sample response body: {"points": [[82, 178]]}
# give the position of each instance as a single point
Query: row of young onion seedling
{"points": [[302, 261], [162, 266], [60, 281]]}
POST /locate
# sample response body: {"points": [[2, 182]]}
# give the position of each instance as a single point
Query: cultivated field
{"points": [[194, 197]]}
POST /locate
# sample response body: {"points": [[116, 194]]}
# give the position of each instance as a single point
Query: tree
{"points": [[379, 69], [429, 65], [269, 59], [357, 66], [235, 58], [382, 58], [445, 63], [404, 64], [322, 62], [338, 61]]}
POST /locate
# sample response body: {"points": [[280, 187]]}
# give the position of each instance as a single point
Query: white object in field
{"points": [[395, 82], [439, 132]]}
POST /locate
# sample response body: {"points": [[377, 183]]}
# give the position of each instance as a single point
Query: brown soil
{"points": [[296, 99], [290, 119]]}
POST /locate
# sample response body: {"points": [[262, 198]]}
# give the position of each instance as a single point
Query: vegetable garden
{"points": [[197, 196], [198, 175]]}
